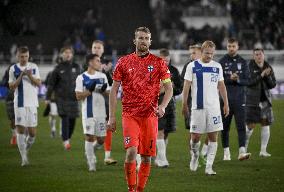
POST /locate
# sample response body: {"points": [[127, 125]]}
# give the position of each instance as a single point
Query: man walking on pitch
{"points": [[24, 79], [140, 75], [90, 88], [205, 77], [98, 49]]}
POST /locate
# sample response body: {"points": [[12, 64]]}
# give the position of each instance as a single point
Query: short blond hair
{"points": [[195, 46], [208, 44]]}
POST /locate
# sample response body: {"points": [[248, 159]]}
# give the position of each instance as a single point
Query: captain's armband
{"points": [[166, 80]]}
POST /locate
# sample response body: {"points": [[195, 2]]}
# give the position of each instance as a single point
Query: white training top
{"points": [[93, 105], [204, 88], [26, 94]]}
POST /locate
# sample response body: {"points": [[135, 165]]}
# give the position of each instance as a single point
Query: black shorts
{"points": [[10, 110], [167, 123], [254, 114]]}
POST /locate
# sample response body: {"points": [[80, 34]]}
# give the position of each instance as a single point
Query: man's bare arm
{"points": [[166, 99], [185, 91], [223, 93], [16, 83], [112, 105], [82, 95]]}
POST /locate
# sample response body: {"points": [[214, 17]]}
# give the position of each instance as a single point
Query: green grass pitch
{"points": [[53, 169]]}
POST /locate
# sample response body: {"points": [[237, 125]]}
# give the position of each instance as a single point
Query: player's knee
{"points": [[131, 153], [89, 138], [100, 140], [264, 122], [145, 159], [195, 138], [161, 134], [20, 129], [251, 125]]}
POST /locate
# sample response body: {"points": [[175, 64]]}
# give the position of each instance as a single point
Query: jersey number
{"points": [[214, 77], [217, 120]]}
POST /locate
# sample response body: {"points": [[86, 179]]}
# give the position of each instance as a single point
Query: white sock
{"points": [[195, 147], [89, 149], [96, 145], [212, 149], [265, 134], [226, 151], [14, 133], [138, 160], [107, 154], [30, 140], [248, 135], [52, 123], [161, 150], [242, 150], [204, 149], [166, 142], [66, 142], [21, 142]]}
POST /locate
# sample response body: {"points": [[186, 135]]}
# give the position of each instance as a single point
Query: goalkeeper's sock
{"points": [[143, 175], [130, 174]]}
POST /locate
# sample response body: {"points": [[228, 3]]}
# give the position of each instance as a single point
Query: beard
{"points": [[143, 48]]}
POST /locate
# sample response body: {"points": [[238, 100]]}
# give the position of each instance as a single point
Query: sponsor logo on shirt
{"points": [[62, 71]]}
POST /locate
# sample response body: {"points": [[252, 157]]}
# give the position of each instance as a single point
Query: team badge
{"points": [[73, 70], [127, 140], [239, 65], [150, 68], [214, 69]]}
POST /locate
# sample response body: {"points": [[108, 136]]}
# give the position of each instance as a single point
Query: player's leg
{"points": [[52, 119], [252, 117], [241, 128], [225, 133], [147, 148], [205, 147], [266, 120], [160, 160], [204, 151], [89, 151], [212, 150], [197, 127], [20, 122], [144, 172], [107, 146], [31, 124], [131, 141]]}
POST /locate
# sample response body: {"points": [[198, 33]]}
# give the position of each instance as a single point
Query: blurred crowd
{"points": [[257, 23]]}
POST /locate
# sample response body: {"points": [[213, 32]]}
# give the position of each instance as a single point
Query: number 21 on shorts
{"points": [[216, 119]]}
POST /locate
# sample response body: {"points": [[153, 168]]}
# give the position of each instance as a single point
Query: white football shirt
{"points": [[204, 88], [93, 105], [26, 94]]}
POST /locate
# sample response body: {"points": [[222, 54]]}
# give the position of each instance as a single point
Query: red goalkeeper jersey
{"points": [[140, 79]]}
